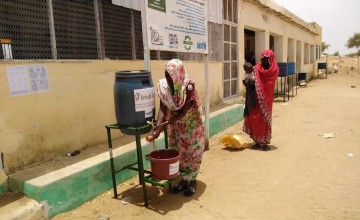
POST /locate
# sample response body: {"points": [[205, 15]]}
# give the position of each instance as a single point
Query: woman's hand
{"points": [[149, 137], [152, 136], [156, 133]]}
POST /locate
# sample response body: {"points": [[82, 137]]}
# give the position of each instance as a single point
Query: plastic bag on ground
{"points": [[234, 141]]}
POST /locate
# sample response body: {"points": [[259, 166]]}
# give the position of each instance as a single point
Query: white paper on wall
{"points": [[18, 78], [38, 78], [27, 79]]}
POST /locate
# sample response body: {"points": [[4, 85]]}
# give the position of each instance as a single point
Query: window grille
{"points": [[26, 24], [75, 29]]}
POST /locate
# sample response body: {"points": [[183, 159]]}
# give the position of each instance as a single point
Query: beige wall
{"points": [[72, 115], [265, 22]]}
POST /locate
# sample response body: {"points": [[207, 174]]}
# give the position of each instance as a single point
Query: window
{"points": [[230, 45], [117, 34]]}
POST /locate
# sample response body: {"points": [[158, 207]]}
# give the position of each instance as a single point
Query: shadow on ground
{"points": [[159, 199]]}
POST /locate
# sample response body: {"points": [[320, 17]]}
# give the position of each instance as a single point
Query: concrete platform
{"points": [[58, 190], [21, 208]]}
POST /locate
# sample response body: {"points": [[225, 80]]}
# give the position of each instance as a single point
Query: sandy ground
{"points": [[303, 176]]}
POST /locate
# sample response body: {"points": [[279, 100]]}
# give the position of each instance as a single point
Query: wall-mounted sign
{"points": [[177, 25]]}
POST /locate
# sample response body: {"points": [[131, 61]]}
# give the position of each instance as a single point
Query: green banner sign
{"points": [[158, 5]]}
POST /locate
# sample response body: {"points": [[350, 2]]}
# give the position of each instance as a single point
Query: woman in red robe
{"points": [[258, 123]]}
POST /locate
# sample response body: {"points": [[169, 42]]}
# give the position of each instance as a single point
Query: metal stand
{"points": [[322, 66], [139, 163], [283, 90], [300, 78], [292, 84], [319, 74]]}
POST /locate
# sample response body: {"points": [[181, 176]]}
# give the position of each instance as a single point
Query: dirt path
{"points": [[304, 176]]}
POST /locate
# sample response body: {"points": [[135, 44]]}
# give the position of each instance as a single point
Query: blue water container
{"points": [[134, 99], [291, 68], [283, 69], [321, 65]]}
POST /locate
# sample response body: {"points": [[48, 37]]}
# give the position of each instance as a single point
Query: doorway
{"points": [[249, 47]]}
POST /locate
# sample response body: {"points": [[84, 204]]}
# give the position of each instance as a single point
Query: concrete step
{"points": [[16, 206]]}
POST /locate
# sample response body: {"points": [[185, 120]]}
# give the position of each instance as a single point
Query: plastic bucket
{"points": [[164, 164], [134, 99]]}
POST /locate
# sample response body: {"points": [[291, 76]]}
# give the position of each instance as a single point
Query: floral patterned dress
{"points": [[187, 134]]}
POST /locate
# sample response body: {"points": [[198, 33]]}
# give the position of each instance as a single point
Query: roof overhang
{"points": [[273, 8]]}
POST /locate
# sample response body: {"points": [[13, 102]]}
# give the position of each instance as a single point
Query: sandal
{"points": [[256, 146], [265, 147], [191, 188], [180, 187]]}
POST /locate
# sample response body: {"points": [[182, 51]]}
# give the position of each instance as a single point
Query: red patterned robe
{"points": [[258, 123]]}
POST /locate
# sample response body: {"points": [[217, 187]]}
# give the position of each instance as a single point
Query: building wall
{"points": [[38, 127], [72, 115], [266, 22]]}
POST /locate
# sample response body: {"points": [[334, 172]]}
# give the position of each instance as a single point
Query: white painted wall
{"points": [[291, 50]]}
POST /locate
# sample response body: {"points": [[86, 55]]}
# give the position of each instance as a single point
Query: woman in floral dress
{"points": [[180, 111]]}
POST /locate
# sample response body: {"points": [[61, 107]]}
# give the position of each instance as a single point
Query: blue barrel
{"points": [[291, 68], [134, 100], [321, 65], [283, 69]]}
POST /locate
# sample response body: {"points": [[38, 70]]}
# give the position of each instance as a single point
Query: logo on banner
{"points": [[156, 39], [187, 42], [173, 41], [201, 45]]}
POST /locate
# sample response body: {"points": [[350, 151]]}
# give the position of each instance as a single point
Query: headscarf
{"points": [[175, 68], [264, 84]]}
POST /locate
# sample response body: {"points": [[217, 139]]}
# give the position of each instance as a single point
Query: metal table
{"points": [[139, 165]]}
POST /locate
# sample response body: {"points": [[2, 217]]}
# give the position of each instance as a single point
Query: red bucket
{"points": [[164, 164]]}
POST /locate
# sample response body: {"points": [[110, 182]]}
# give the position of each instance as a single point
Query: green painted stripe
{"points": [[3, 188], [224, 120]]}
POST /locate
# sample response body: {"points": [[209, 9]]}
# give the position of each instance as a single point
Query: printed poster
{"points": [[27, 79], [177, 25]]}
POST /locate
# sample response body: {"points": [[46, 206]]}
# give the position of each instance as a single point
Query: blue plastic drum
{"points": [[283, 69], [134, 99], [291, 68]]}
